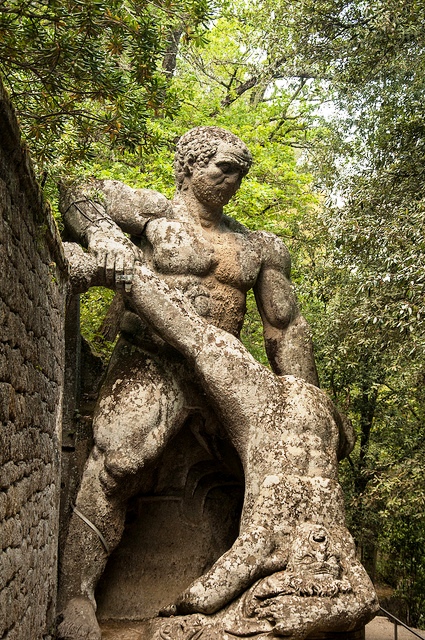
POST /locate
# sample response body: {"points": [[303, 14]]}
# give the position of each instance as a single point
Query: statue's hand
{"points": [[168, 611], [115, 257]]}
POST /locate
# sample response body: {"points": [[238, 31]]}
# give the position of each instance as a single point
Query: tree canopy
{"points": [[367, 276], [82, 73]]}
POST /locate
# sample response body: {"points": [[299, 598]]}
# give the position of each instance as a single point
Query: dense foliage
{"points": [[367, 276], [83, 74]]}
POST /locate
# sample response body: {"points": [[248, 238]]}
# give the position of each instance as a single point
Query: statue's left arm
{"points": [[286, 333]]}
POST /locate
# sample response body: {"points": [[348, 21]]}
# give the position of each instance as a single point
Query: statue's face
{"points": [[218, 182], [313, 552]]}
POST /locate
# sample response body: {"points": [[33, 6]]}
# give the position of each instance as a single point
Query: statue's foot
{"points": [[79, 621]]}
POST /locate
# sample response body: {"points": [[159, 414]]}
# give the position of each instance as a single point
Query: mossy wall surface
{"points": [[32, 309]]}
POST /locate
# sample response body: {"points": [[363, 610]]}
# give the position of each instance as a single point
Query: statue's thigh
{"points": [[141, 406]]}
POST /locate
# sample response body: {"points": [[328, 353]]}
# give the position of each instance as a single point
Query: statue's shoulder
{"points": [[274, 251], [150, 203]]}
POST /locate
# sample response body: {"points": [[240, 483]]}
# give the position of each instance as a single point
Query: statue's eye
{"points": [[307, 559], [225, 167]]}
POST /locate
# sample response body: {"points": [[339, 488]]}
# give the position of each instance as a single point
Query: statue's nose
{"points": [[321, 558]]}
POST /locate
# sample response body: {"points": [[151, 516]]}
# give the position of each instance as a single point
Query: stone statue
{"points": [[198, 266], [292, 571]]}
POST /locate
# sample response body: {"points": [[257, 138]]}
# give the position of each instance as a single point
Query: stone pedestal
{"points": [[145, 631]]}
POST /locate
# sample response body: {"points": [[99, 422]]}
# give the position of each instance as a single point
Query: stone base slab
{"points": [[144, 630]]}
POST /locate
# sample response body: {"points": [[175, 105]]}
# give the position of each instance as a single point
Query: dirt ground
{"points": [[382, 629]]}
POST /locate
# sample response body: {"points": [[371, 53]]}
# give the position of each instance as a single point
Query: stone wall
{"points": [[32, 309]]}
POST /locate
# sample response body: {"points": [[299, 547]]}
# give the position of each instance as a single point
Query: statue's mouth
{"points": [[325, 572]]}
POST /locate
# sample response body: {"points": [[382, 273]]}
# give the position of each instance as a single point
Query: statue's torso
{"points": [[214, 268]]}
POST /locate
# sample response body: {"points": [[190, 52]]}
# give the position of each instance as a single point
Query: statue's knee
{"points": [[109, 484], [117, 473]]}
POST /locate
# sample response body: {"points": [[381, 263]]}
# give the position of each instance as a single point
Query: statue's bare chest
{"points": [[182, 248]]}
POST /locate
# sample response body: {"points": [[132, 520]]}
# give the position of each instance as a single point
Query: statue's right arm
{"points": [[98, 215]]}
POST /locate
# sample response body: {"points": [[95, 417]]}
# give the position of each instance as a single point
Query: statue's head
{"points": [[199, 145]]}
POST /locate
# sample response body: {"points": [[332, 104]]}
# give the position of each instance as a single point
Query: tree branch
{"points": [[284, 116]]}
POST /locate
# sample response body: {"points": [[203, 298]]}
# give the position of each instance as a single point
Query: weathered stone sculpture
{"points": [[294, 561], [292, 570]]}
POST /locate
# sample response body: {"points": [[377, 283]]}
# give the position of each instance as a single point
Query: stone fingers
{"points": [[115, 270], [123, 271]]}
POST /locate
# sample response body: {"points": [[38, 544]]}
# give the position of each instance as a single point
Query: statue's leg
{"points": [[228, 373], [245, 393], [141, 407], [85, 554], [290, 479]]}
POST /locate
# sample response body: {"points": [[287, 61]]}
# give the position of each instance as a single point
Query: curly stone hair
{"points": [[200, 144]]}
